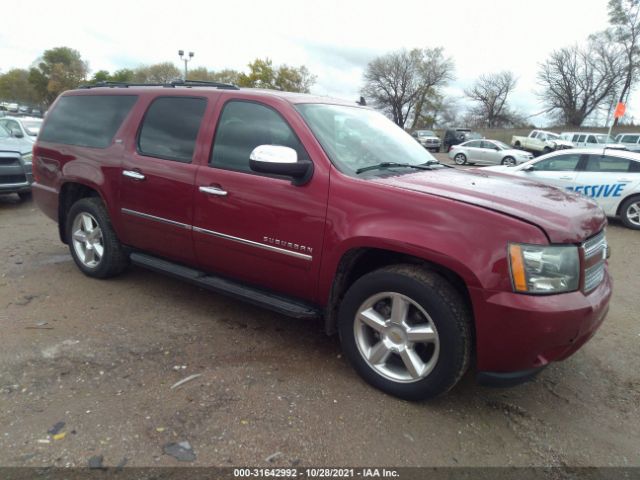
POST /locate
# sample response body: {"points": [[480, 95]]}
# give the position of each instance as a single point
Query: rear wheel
{"points": [[460, 159], [92, 241], [406, 331], [630, 213], [546, 150], [510, 161]]}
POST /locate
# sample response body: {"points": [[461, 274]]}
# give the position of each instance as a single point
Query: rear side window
{"points": [[170, 128], [598, 163], [245, 125], [87, 120]]}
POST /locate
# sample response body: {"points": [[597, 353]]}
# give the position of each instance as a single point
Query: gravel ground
{"points": [[102, 356]]}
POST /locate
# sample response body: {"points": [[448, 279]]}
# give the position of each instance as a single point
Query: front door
{"points": [[158, 177], [259, 229], [559, 170]]}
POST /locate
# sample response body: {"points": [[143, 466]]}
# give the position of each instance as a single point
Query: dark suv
{"points": [[315, 207], [455, 136]]}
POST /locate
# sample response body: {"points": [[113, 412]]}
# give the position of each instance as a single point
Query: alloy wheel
{"points": [[87, 240]]}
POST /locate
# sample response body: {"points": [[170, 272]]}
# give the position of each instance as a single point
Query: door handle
{"points": [[623, 180], [214, 191], [133, 174]]}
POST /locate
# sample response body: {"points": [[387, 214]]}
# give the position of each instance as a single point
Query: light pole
{"points": [[185, 59]]}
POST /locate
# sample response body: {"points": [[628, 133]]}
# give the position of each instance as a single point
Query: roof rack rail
{"points": [[173, 84], [203, 83]]}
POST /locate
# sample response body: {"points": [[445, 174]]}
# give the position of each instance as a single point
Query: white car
{"points": [[22, 127], [610, 177], [592, 139], [487, 152]]}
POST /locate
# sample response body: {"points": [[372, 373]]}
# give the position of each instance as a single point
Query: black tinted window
{"points": [[245, 125], [87, 120], [170, 128]]}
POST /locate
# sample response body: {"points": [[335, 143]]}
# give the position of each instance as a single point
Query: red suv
{"points": [[315, 207]]}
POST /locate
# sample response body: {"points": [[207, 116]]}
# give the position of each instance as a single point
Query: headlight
{"points": [[27, 158], [544, 269]]}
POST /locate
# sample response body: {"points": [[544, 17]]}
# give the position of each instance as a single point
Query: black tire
{"points": [[508, 161], [24, 195], [114, 259], [627, 210], [546, 150], [517, 145], [460, 159], [447, 310]]}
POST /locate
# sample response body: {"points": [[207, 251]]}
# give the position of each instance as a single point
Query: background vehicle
{"points": [[22, 127], [253, 194], [629, 140], [488, 152], [455, 136], [589, 139], [540, 141], [15, 164], [428, 139], [610, 177]]}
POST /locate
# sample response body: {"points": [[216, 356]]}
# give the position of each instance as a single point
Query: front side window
{"points": [[87, 120], [559, 163], [630, 138], [591, 139], [170, 128], [244, 126]]}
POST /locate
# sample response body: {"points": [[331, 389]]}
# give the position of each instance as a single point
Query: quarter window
{"points": [[559, 163], [87, 120], [170, 128], [245, 125]]}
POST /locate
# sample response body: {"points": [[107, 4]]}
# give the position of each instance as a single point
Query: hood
{"points": [[565, 217], [15, 145], [565, 143]]}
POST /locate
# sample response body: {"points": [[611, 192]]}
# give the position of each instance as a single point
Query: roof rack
{"points": [[173, 84]]}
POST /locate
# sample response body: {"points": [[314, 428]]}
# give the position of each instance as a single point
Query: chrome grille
{"points": [[595, 247]]}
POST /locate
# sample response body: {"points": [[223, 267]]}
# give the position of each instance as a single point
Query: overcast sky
{"points": [[334, 39]]}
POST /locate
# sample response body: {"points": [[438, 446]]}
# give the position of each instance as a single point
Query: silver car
{"points": [[22, 127], [487, 152]]}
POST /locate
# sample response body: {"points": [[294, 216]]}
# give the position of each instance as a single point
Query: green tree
{"points": [[262, 74], [122, 75], [15, 86], [165, 72], [624, 16], [58, 69], [222, 76], [100, 76]]}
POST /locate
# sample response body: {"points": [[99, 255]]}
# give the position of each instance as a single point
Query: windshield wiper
{"points": [[380, 166]]}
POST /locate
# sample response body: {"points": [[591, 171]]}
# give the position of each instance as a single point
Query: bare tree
{"points": [[577, 80], [624, 16], [435, 71], [490, 93], [401, 81]]}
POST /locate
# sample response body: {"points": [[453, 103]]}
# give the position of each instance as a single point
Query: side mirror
{"points": [[279, 160], [529, 168], [16, 133]]}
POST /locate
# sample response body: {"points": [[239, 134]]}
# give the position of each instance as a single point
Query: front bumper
{"points": [[8, 185], [522, 333]]}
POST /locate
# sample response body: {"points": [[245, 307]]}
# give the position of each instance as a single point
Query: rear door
{"points": [[158, 175], [474, 151], [260, 229], [608, 179]]}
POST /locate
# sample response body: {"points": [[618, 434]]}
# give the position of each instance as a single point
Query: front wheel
{"points": [[92, 240], [630, 213], [406, 331], [460, 159], [509, 161]]}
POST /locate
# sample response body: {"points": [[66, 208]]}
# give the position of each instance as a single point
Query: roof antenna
{"points": [[362, 101]]}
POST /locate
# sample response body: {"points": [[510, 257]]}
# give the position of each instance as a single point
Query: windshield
{"points": [[552, 136], [31, 126], [426, 133], [605, 139], [355, 138]]}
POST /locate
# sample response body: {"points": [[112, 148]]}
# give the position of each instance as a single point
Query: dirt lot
{"points": [[101, 356]]}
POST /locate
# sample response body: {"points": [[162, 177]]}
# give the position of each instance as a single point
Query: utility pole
{"points": [[186, 59]]}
